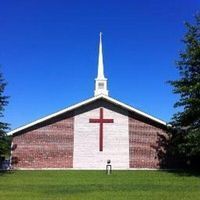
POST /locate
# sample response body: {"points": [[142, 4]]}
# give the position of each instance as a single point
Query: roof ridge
{"points": [[89, 100]]}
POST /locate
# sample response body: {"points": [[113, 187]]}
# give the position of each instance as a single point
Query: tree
{"points": [[4, 139], [186, 139]]}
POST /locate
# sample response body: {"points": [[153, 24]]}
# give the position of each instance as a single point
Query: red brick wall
{"points": [[49, 146], [147, 145]]}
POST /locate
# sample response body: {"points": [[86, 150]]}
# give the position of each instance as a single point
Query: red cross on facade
{"points": [[101, 121]]}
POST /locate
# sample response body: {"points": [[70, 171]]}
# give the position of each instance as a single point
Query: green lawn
{"points": [[97, 185]]}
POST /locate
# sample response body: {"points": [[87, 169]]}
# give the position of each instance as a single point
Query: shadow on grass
{"points": [[5, 172], [184, 172]]}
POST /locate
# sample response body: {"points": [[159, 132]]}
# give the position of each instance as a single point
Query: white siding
{"points": [[115, 141]]}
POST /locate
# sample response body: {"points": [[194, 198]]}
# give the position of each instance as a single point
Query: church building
{"points": [[88, 134]]}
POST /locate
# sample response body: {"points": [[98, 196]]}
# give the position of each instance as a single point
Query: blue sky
{"points": [[48, 53]]}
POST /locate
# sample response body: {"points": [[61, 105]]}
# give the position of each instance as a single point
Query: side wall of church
{"points": [[147, 145], [49, 146]]}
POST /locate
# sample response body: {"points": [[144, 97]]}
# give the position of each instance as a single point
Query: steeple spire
{"points": [[100, 81], [100, 61]]}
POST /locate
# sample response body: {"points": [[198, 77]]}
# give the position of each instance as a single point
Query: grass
{"points": [[91, 185]]}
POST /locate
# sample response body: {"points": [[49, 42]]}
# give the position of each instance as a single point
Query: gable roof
{"points": [[90, 100]]}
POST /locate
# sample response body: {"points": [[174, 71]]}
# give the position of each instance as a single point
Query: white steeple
{"points": [[100, 81]]}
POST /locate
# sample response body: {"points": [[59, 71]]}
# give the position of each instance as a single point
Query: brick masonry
{"points": [[49, 146], [147, 145], [70, 141]]}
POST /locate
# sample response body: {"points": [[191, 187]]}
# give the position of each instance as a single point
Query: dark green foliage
{"points": [[5, 143], [186, 137], [4, 139]]}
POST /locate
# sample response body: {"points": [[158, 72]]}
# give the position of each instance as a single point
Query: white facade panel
{"points": [[115, 141]]}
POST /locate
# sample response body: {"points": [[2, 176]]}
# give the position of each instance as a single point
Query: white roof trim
{"points": [[130, 108]]}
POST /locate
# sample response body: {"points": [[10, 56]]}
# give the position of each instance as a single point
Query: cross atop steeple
{"points": [[100, 81]]}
